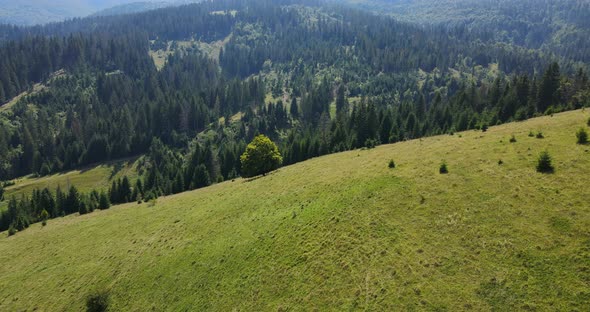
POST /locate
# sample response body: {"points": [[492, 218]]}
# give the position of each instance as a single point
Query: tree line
{"points": [[341, 79]]}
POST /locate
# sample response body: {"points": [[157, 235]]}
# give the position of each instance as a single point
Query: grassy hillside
{"points": [[341, 232], [86, 179]]}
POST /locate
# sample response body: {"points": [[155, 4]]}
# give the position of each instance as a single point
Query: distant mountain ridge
{"points": [[34, 12], [137, 7], [131, 8]]}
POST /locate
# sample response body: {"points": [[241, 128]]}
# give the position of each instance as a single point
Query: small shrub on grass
{"points": [[44, 216], [513, 139], [582, 136], [484, 128], [443, 168], [11, 230], [391, 164], [500, 162], [531, 134], [98, 302], [545, 163], [540, 135]]}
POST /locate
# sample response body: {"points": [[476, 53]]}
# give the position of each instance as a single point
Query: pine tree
{"points": [[72, 201], [103, 201], [545, 163], [201, 177], [548, 89], [125, 190], [60, 201], [341, 101], [114, 192], [178, 185], [294, 109]]}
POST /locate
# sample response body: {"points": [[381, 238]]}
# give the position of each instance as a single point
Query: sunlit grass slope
{"points": [[95, 177], [341, 232]]}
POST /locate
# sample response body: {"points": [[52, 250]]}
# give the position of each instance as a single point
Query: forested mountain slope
{"points": [[339, 232], [315, 78], [557, 26]]}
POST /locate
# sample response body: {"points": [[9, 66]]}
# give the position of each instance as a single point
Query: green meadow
{"points": [[340, 232], [94, 177]]}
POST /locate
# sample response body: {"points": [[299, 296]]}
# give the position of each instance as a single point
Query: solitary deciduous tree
{"points": [[261, 157]]}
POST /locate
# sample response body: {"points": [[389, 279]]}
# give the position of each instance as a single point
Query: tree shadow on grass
{"points": [[260, 176]]}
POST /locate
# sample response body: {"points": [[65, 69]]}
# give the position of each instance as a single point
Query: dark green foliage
{"points": [[261, 157], [60, 201], [582, 136], [484, 127], [391, 164], [540, 135], [11, 231], [371, 143], [72, 202], [342, 105], [443, 168], [83, 208], [120, 191], [588, 123], [549, 89], [545, 163], [500, 162], [201, 177], [531, 134], [98, 302], [178, 185], [513, 139], [1, 192], [294, 108], [103, 201]]}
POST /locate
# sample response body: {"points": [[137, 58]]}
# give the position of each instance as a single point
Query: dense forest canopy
{"points": [[313, 77], [557, 26]]}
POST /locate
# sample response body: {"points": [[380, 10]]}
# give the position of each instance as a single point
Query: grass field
{"points": [[341, 232], [97, 177]]}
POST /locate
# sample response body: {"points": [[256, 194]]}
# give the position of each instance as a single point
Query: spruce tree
{"points": [[72, 201], [125, 190], [201, 177], [548, 89], [545, 163], [294, 109], [103, 201]]}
